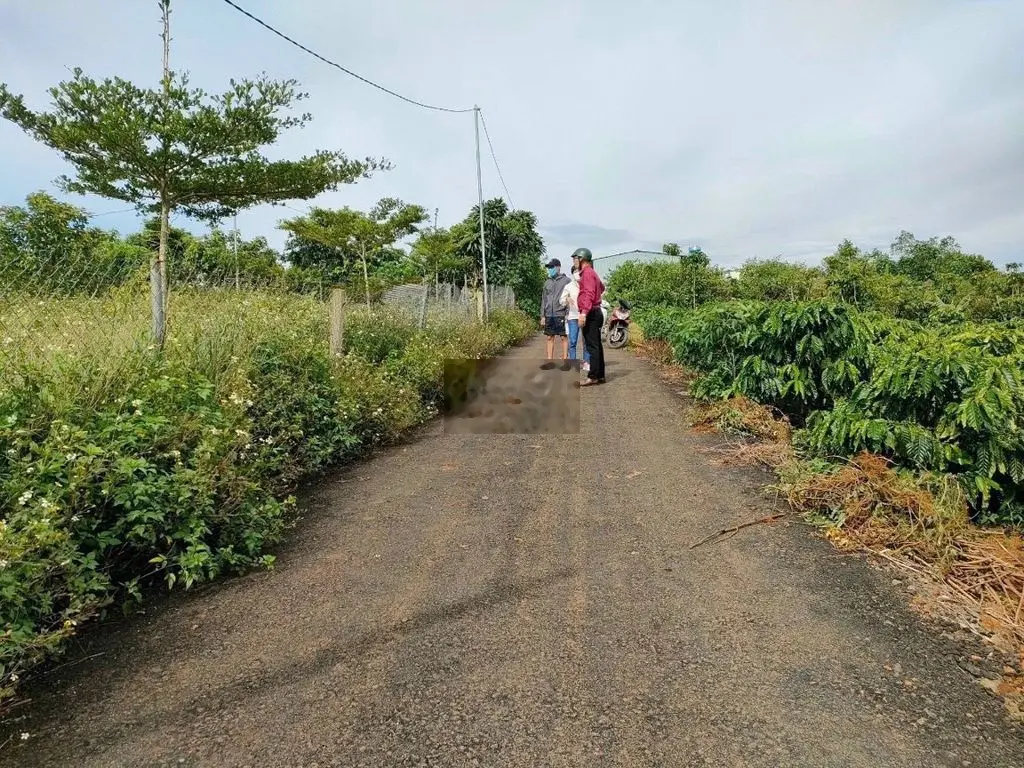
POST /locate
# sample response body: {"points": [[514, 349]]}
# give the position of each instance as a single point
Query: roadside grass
{"points": [[123, 467]]}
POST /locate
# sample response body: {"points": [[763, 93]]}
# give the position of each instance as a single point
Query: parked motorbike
{"points": [[617, 325]]}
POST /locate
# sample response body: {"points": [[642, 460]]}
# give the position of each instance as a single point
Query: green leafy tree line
{"points": [[48, 247], [922, 280]]}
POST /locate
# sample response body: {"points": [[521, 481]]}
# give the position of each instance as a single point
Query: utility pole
{"points": [[158, 265], [234, 245], [437, 276], [480, 197]]}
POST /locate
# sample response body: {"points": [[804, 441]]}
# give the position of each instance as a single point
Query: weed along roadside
{"points": [[161, 392], [927, 476], [175, 467]]}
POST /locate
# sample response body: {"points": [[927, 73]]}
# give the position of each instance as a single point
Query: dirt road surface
{"points": [[530, 600]]}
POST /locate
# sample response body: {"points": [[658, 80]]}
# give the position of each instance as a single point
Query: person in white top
{"points": [[568, 299]]}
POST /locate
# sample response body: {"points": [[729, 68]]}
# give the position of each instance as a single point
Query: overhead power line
{"points": [[495, 159], [343, 69], [478, 118], [109, 213]]}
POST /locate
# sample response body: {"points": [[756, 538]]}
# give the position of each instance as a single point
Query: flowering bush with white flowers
{"points": [[174, 466]]}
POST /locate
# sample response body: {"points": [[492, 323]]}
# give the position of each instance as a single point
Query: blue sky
{"points": [[752, 128]]}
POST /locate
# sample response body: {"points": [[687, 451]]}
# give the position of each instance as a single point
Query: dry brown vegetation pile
{"points": [[764, 433], [659, 353], [880, 508], [740, 415], [922, 526]]}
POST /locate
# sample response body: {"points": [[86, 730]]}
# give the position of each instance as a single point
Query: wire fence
{"points": [[424, 303], [51, 305], [60, 303]]}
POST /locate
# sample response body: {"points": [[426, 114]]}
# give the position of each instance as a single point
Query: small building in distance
{"points": [[605, 265]]}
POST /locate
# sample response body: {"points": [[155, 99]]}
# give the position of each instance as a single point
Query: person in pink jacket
{"points": [[591, 317]]}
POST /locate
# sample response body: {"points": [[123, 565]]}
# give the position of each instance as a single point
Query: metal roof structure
{"points": [[604, 265]]}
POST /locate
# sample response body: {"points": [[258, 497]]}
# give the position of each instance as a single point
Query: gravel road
{"points": [[529, 600]]}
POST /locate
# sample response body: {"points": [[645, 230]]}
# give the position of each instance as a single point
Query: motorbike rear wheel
{"points": [[618, 336]]}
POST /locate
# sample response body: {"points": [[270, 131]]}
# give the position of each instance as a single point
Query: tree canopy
{"points": [[916, 280], [515, 250], [354, 234], [178, 148]]}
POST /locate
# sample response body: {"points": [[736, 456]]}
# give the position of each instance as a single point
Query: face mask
{"points": [[552, 271]]}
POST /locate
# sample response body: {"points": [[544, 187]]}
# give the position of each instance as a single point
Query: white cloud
{"points": [[752, 128]]}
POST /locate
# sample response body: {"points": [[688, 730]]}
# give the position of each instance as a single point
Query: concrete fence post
{"points": [[337, 316], [423, 308]]}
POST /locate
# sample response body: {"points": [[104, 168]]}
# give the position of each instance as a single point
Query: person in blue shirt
{"points": [[570, 295]]}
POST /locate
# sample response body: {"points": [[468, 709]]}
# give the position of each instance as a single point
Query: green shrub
{"points": [[48, 585], [777, 280], [944, 400], [377, 336], [796, 356], [117, 472], [660, 322], [653, 284], [422, 362], [511, 326], [940, 402]]}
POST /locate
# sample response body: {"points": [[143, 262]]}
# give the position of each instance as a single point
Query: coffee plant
{"points": [[796, 356], [949, 403], [944, 400]]}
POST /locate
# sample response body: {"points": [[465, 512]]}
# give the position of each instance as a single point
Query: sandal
{"points": [[591, 382]]}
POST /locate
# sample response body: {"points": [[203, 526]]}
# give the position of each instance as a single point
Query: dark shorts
{"points": [[554, 326]]}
